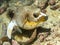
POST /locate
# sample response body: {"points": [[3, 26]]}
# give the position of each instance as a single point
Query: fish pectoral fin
{"points": [[20, 31], [16, 28], [10, 28], [9, 32]]}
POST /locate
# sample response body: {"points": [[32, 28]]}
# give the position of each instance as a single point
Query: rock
{"points": [[6, 43]]}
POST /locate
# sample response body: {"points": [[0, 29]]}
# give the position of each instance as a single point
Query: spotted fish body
{"points": [[26, 17]]}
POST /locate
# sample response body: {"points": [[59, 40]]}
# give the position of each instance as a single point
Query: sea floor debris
{"points": [[48, 33]]}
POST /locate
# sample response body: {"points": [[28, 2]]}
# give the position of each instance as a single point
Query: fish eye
{"points": [[35, 15]]}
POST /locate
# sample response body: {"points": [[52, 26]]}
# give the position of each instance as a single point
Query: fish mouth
{"points": [[33, 24], [41, 17]]}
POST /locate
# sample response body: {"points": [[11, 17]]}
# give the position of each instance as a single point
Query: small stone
{"points": [[44, 11], [42, 4], [54, 7], [52, 2], [6, 43], [14, 42]]}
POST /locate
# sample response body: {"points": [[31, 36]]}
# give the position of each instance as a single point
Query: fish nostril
{"points": [[35, 15]]}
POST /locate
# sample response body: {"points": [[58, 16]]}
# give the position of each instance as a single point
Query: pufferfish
{"points": [[27, 18]]}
